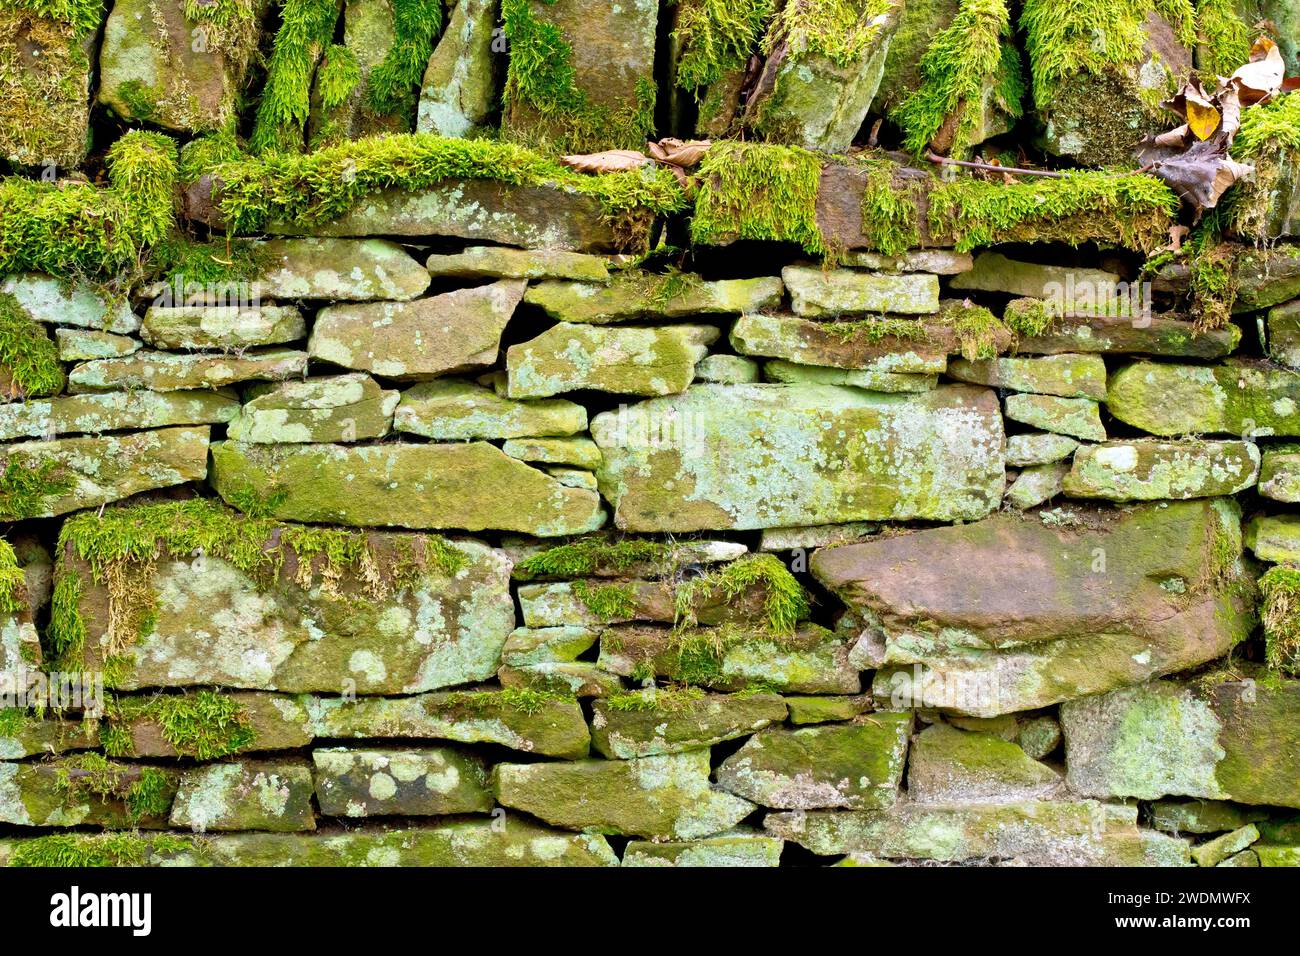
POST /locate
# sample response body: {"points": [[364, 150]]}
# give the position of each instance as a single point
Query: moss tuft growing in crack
{"points": [[889, 209], [655, 700], [586, 556], [27, 354], [204, 725], [716, 38], [306, 28], [391, 86], [146, 791], [13, 585], [977, 330], [839, 30], [1280, 586], [96, 849], [1224, 38], [607, 601], [785, 603], [756, 191], [27, 484], [1269, 128]]}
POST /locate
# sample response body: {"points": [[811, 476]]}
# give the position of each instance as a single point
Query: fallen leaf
{"points": [[1202, 120], [676, 152], [1177, 233], [610, 161], [1200, 174], [1262, 77]]}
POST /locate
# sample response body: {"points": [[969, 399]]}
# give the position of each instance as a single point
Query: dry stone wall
{"points": [[376, 490]]}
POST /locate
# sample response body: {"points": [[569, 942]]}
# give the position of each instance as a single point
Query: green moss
{"points": [[146, 791], [306, 28], [317, 188], [204, 152], [181, 259], [889, 209], [13, 585], [204, 725], [121, 545], [1212, 268], [1270, 128], [1224, 37], [607, 601], [139, 100], [977, 330], [27, 353], [44, 112], [392, 84], [839, 30], [1028, 317], [656, 700], [717, 37], [73, 227], [877, 330], [27, 485], [1133, 211], [1066, 37], [587, 555], [526, 700], [785, 602], [13, 721], [338, 76], [1280, 586], [756, 191], [97, 849], [84, 15], [961, 63], [541, 75]]}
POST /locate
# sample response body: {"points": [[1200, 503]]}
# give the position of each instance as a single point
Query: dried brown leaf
{"points": [[610, 161]]}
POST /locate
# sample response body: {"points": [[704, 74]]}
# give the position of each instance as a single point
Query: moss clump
{"points": [[1133, 211], [877, 330], [716, 37], [83, 16], [977, 330], [1280, 586], [541, 75], [122, 545], [889, 209], [785, 602], [27, 485], [316, 188], [607, 601], [655, 700], [45, 110], [13, 585], [337, 77], [13, 721], [1224, 37], [203, 725], [839, 30], [1213, 274], [146, 791], [306, 28], [960, 65], [68, 228], [391, 85], [27, 354], [526, 700], [1028, 317], [96, 849], [1067, 37], [1270, 128], [180, 260], [756, 191], [588, 555]]}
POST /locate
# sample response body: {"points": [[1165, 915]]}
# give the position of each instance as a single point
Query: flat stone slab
{"points": [[994, 272], [733, 849], [1239, 397], [82, 345], [70, 792], [229, 328], [470, 486], [341, 408], [962, 633], [88, 472], [96, 413], [661, 797], [868, 346], [425, 782], [947, 765], [340, 270], [1069, 376], [817, 293], [1076, 417], [1122, 335], [1150, 470], [1223, 738], [172, 371], [57, 302], [245, 795], [453, 332], [501, 262], [453, 409], [767, 456], [1038, 448], [636, 297], [649, 722], [871, 379]]}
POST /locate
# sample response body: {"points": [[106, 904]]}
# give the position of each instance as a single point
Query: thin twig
{"points": [[989, 167]]}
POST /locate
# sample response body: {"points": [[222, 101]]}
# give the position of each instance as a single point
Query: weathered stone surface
{"points": [[817, 536], [568, 678], [603, 561], [804, 97], [1121, 335], [947, 765], [452, 332], [636, 296], [501, 262], [1221, 738], [1214, 852], [625, 360], [342, 408], [83, 791], [1284, 334], [480, 210], [994, 272], [88, 472], [743, 453], [418, 783], [274, 721], [736, 848], [1033, 832], [963, 633], [1037, 484], [546, 645], [1078, 417], [823, 710], [215, 624], [1202, 816], [942, 262], [27, 735], [81, 345], [159, 66], [173, 371], [811, 661], [566, 603], [661, 797], [727, 370], [552, 727], [657, 721], [96, 413], [577, 452], [1275, 538], [1266, 277], [1279, 474], [229, 328], [1277, 855], [843, 345], [1239, 397], [245, 795], [817, 293], [51, 300], [1038, 448], [872, 379], [458, 92], [1148, 470], [349, 270], [1069, 376], [468, 486], [857, 766], [456, 409]]}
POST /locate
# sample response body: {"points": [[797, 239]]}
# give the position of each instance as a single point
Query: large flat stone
{"points": [[501, 262], [342, 408], [1148, 470], [350, 270], [817, 293], [962, 632], [114, 411], [1239, 397], [173, 371], [903, 348], [453, 332], [227, 328], [636, 296], [649, 722], [455, 409], [470, 486], [1122, 335], [459, 91], [425, 782], [246, 795], [766, 456]]}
